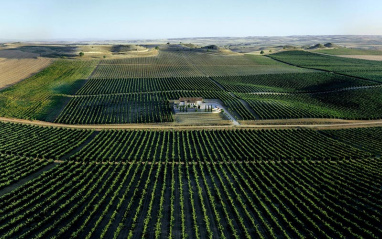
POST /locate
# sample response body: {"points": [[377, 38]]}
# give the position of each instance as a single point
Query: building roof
{"points": [[190, 99]]}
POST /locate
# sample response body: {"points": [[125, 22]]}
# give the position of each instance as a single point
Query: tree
{"points": [[261, 52], [81, 54], [157, 48]]}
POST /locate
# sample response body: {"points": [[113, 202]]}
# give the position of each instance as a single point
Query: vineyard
{"points": [[13, 168], [289, 82], [188, 64], [291, 199], [352, 104], [353, 67], [369, 139], [138, 107], [113, 86], [40, 142], [218, 145]]}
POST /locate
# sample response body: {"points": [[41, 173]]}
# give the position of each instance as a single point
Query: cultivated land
{"points": [[17, 65], [91, 147]]}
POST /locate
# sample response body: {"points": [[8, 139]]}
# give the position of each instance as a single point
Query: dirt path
{"points": [[311, 123]]}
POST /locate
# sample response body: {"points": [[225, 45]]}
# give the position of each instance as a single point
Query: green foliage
{"points": [[81, 54]]}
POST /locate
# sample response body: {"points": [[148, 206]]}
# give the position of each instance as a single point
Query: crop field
{"points": [[40, 142], [16, 66], [295, 199], [369, 139], [351, 104], [353, 67], [217, 145], [13, 168], [138, 107], [188, 64], [115, 86], [117, 109], [289, 82]]}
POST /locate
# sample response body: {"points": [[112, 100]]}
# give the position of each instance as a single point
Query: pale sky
{"points": [[153, 19]]}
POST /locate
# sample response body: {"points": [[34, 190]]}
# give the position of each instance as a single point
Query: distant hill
{"points": [[317, 46], [126, 48], [331, 45], [211, 47]]}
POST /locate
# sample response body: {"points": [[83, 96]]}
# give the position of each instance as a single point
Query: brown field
{"points": [[17, 65]]}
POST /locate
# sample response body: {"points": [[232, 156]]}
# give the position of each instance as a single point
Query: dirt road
{"points": [[261, 124]]}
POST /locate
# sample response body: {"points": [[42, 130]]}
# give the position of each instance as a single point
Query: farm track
{"points": [[311, 123]]}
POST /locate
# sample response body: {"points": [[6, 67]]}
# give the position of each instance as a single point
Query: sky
{"points": [[161, 19]]}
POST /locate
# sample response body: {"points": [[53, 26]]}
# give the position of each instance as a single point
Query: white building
{"points": [[190, 101]]}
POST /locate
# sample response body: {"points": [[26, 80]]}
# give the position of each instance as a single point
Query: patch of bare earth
{"points": [[364, 57], [16, 65]]}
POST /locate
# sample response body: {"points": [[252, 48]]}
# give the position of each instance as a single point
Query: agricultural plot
{"points": [[368, 139], [17, 65], [291, 199], [289, 82], [117, 109], [216, 145], [134, 85], [39, 142], [138, 107], [43, 95], [188, 64], [352, 104], [371, 70], [14, 168]]}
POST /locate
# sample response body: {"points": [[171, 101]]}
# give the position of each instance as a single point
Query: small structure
{"points": [[197, 101]]}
